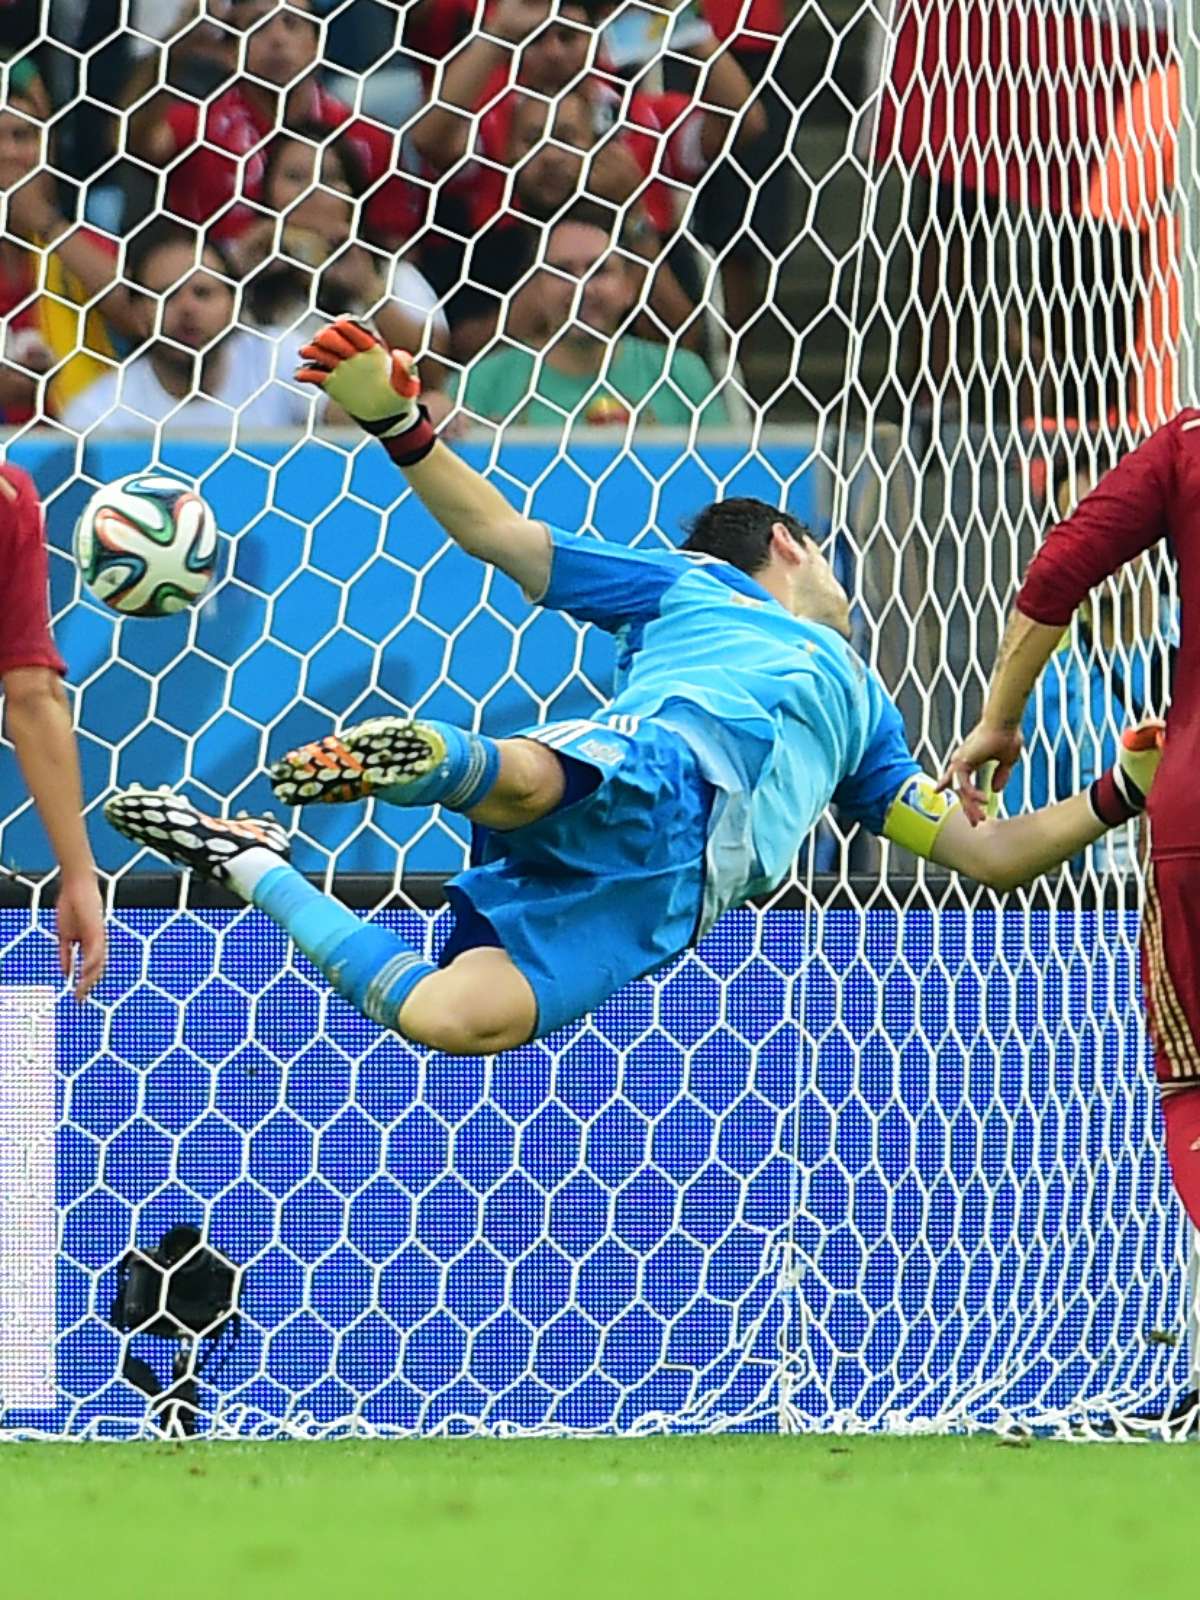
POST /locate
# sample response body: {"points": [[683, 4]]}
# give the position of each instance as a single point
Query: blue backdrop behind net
{"points": [[341, 598]]}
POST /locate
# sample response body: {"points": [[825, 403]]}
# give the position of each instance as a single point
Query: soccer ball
{"points": [[147, 545]]}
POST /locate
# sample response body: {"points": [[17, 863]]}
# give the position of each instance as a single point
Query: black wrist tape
{"points": [[414, 444], [1115, 798]]}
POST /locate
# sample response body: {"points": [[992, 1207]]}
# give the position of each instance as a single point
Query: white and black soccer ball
{"points": [[147, 545]]}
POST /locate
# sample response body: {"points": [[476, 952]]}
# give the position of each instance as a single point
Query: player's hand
{"points": [[1138, 756], [972, 762], [79, 920], [376, 386]]}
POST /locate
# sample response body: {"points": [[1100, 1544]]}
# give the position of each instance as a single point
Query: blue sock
{"points": [[460, 782], [374, 969]]}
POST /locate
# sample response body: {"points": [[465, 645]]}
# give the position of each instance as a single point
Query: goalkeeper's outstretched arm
{"points": [[1004, 852], [380, 389]]}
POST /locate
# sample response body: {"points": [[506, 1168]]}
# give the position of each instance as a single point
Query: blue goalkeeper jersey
{"points": [[783, 714]]}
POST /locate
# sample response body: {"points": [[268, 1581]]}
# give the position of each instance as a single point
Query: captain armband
{"points": [[915, 817]]}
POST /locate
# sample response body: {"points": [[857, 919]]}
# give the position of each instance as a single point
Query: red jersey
{"points": [[765, 19], [25, 637], [436, 29], [236, 134], [662, 132], [1152, 494]]}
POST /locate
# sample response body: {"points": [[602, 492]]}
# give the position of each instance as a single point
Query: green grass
{"points": [[632, 1519]]}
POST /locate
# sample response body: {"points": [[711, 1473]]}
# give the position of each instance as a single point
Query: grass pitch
{"points": [[702, 1518]]}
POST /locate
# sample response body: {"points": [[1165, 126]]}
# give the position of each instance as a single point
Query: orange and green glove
{"points": [[1121, 793], [379, 388]]}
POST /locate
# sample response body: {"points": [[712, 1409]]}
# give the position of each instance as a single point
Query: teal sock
{"points": [[369, 966], [461, 781]]}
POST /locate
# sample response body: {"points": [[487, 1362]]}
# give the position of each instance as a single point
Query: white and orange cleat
{"points": [[381, 753], [172, 825]]}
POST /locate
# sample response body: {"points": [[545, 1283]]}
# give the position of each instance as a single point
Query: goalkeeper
{"points": [[604, 849]]}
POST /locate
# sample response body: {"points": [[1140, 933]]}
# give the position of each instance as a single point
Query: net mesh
{"points": [[877, 1155]]}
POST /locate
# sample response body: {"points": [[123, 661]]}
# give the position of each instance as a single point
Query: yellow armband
{"points": [[916, 815]]}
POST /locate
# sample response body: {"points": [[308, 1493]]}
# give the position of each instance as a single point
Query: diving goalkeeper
{"points": [[603, 849]]}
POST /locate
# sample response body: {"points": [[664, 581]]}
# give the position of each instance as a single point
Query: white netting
{"points": [[879, 1155]]}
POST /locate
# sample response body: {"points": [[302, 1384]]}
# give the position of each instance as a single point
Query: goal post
{"points": [[882, 1152]]}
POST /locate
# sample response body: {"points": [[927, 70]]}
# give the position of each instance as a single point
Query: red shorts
{"points": [[1171, 969]]}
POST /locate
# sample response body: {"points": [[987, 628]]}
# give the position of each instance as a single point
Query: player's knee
{"points": [[531, 783], [473, 1008]]}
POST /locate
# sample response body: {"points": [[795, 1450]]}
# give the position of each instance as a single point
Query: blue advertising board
{"points": [[863, 1169]]}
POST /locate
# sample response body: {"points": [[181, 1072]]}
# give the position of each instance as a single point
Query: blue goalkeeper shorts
{"points": [[608, 887]]}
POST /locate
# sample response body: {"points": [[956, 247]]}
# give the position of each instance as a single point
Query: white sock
{"points": [[247, 870]]}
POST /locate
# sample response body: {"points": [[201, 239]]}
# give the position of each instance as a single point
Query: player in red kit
{"points": [[38, 722], [1153, 494]]}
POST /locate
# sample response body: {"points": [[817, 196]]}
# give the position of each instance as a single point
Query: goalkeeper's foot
{"points": [[382, 753], [172, 825]]}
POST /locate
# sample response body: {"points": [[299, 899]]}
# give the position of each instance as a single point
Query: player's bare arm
{"points": [[1123, 516], [1005, 852], [1024, 650], [38, 721], [381, 390]]}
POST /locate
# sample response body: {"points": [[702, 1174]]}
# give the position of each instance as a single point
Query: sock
{"points": [[461, 781], [369, 966], [247, 870]]}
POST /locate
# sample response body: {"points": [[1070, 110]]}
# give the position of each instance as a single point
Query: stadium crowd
{"points": [[519, 190]]}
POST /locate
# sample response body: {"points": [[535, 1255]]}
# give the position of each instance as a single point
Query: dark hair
{"points": [[739, 531], [315, 134], [595, 11], [613, 223], [165, 233]]}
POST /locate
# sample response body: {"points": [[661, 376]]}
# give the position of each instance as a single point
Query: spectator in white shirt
{"points": [[201, 372], [304, 263]]}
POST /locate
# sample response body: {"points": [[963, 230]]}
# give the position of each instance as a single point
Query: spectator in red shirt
{"points": [[38, 722], [526, 46], [433, 29], [281, 89], [547, 151], [744, 209]]}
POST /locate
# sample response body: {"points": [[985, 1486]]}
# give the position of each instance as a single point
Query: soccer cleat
{"points": [[172, 825], [377, 754]]}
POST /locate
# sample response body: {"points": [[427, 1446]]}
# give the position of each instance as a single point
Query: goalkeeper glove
{"points": [[1120, 793], [378, 387]]}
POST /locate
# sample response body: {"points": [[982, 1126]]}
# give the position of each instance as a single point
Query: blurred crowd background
{"points": [[692, 211], [541, 198]]}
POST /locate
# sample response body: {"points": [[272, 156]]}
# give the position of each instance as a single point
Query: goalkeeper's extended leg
{"points": [[479, 1004], [501, 783]]}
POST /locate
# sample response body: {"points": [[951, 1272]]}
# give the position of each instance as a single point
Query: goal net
{"points": [[883, 1153]]}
